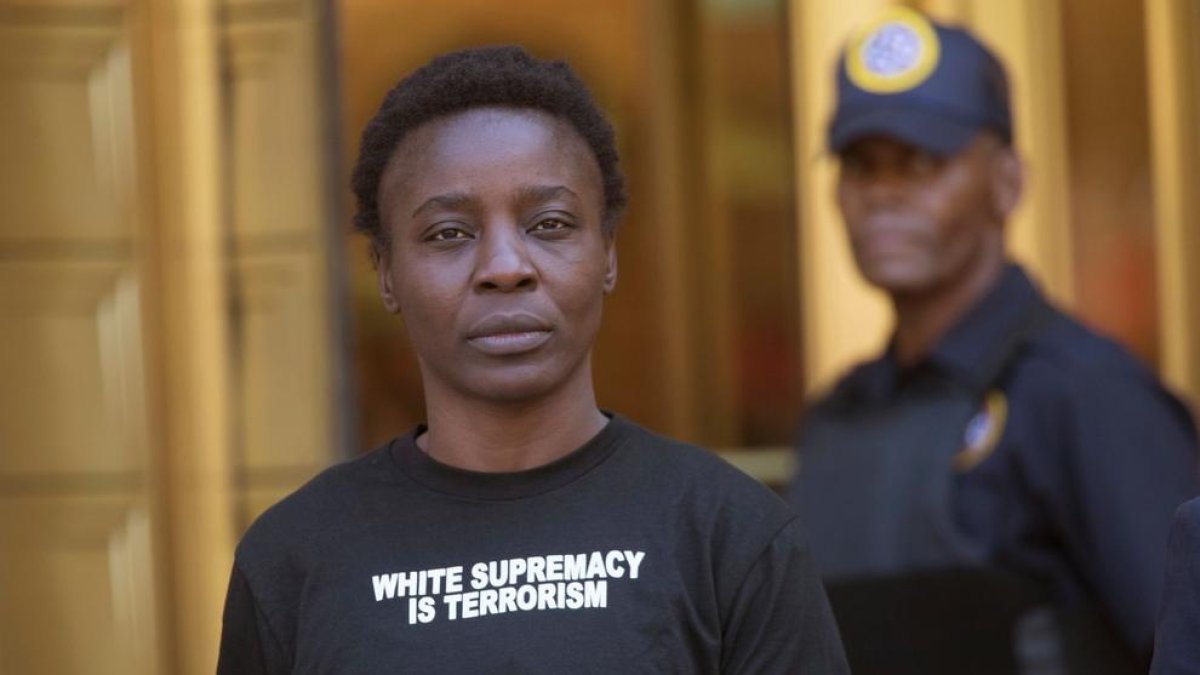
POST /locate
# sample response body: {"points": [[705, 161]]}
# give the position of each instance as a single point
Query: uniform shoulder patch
{"points": [[895, 52]]}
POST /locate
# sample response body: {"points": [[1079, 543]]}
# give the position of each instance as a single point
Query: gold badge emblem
{"points": [[894, 53], [983, 432]]}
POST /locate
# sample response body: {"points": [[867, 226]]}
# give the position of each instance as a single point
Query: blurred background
{"points": [[188, 329]]}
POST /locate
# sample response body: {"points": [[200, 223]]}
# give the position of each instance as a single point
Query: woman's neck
{"points": [[491, 436]]}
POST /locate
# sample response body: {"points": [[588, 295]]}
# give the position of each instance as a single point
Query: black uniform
{"points": [[1177, 643], [632, 554], [1024, 442]]}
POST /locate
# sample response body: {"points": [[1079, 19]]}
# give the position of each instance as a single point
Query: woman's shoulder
{"points": [[695, 473], [298, 520]]}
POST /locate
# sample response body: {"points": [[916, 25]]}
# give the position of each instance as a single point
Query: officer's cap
{"points": [[918, 81]]}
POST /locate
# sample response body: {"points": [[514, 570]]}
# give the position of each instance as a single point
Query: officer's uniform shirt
{"points": [[1071, 469]]}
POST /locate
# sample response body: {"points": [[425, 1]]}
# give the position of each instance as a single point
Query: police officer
{"points": [[994, 432]]}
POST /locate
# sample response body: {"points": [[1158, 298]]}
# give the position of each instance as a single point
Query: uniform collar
{"points": [[971, 349]]}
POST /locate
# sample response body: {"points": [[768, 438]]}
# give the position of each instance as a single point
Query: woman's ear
{"points": [[381, 260], [610, 271]]}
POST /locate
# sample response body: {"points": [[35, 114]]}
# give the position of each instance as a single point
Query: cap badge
{"points": [[894, 53]]}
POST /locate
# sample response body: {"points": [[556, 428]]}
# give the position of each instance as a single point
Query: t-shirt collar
{"points": [[419, 467]]}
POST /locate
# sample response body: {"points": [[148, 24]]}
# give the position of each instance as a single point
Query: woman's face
{"points": [[498, 260]]}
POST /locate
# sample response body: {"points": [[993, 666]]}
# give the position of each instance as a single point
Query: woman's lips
{"points": [[507, 344], [508, 334]]}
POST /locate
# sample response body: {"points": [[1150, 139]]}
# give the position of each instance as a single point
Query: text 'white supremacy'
{"points": [[533, 583]]}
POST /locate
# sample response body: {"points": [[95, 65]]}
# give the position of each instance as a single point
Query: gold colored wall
{"points": [[1173, 44], [1108, 152], [80, 534], [167, 336]]}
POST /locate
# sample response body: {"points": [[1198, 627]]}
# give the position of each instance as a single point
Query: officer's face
{"points": [[498, 262], [916, 221]]}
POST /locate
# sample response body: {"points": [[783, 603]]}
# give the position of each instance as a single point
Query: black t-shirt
{"points": [[632, 554]]}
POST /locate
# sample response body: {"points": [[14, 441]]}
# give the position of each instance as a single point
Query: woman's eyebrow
{"points": [[542, 193], [449, 200]]}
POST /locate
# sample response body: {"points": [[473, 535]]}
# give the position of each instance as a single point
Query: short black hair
{"points": [[505, 76]]}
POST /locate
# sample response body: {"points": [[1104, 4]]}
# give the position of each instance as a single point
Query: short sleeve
{"points": [[248, 647], [780, 620]]}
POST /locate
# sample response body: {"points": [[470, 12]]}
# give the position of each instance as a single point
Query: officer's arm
{"points": [[1132, 461]]}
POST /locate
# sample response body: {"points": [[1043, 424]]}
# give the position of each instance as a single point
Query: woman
{"points": [[521, 529]]}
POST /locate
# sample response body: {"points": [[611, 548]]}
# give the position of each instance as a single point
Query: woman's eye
{"points": [[448, 234], [549, 225]]}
